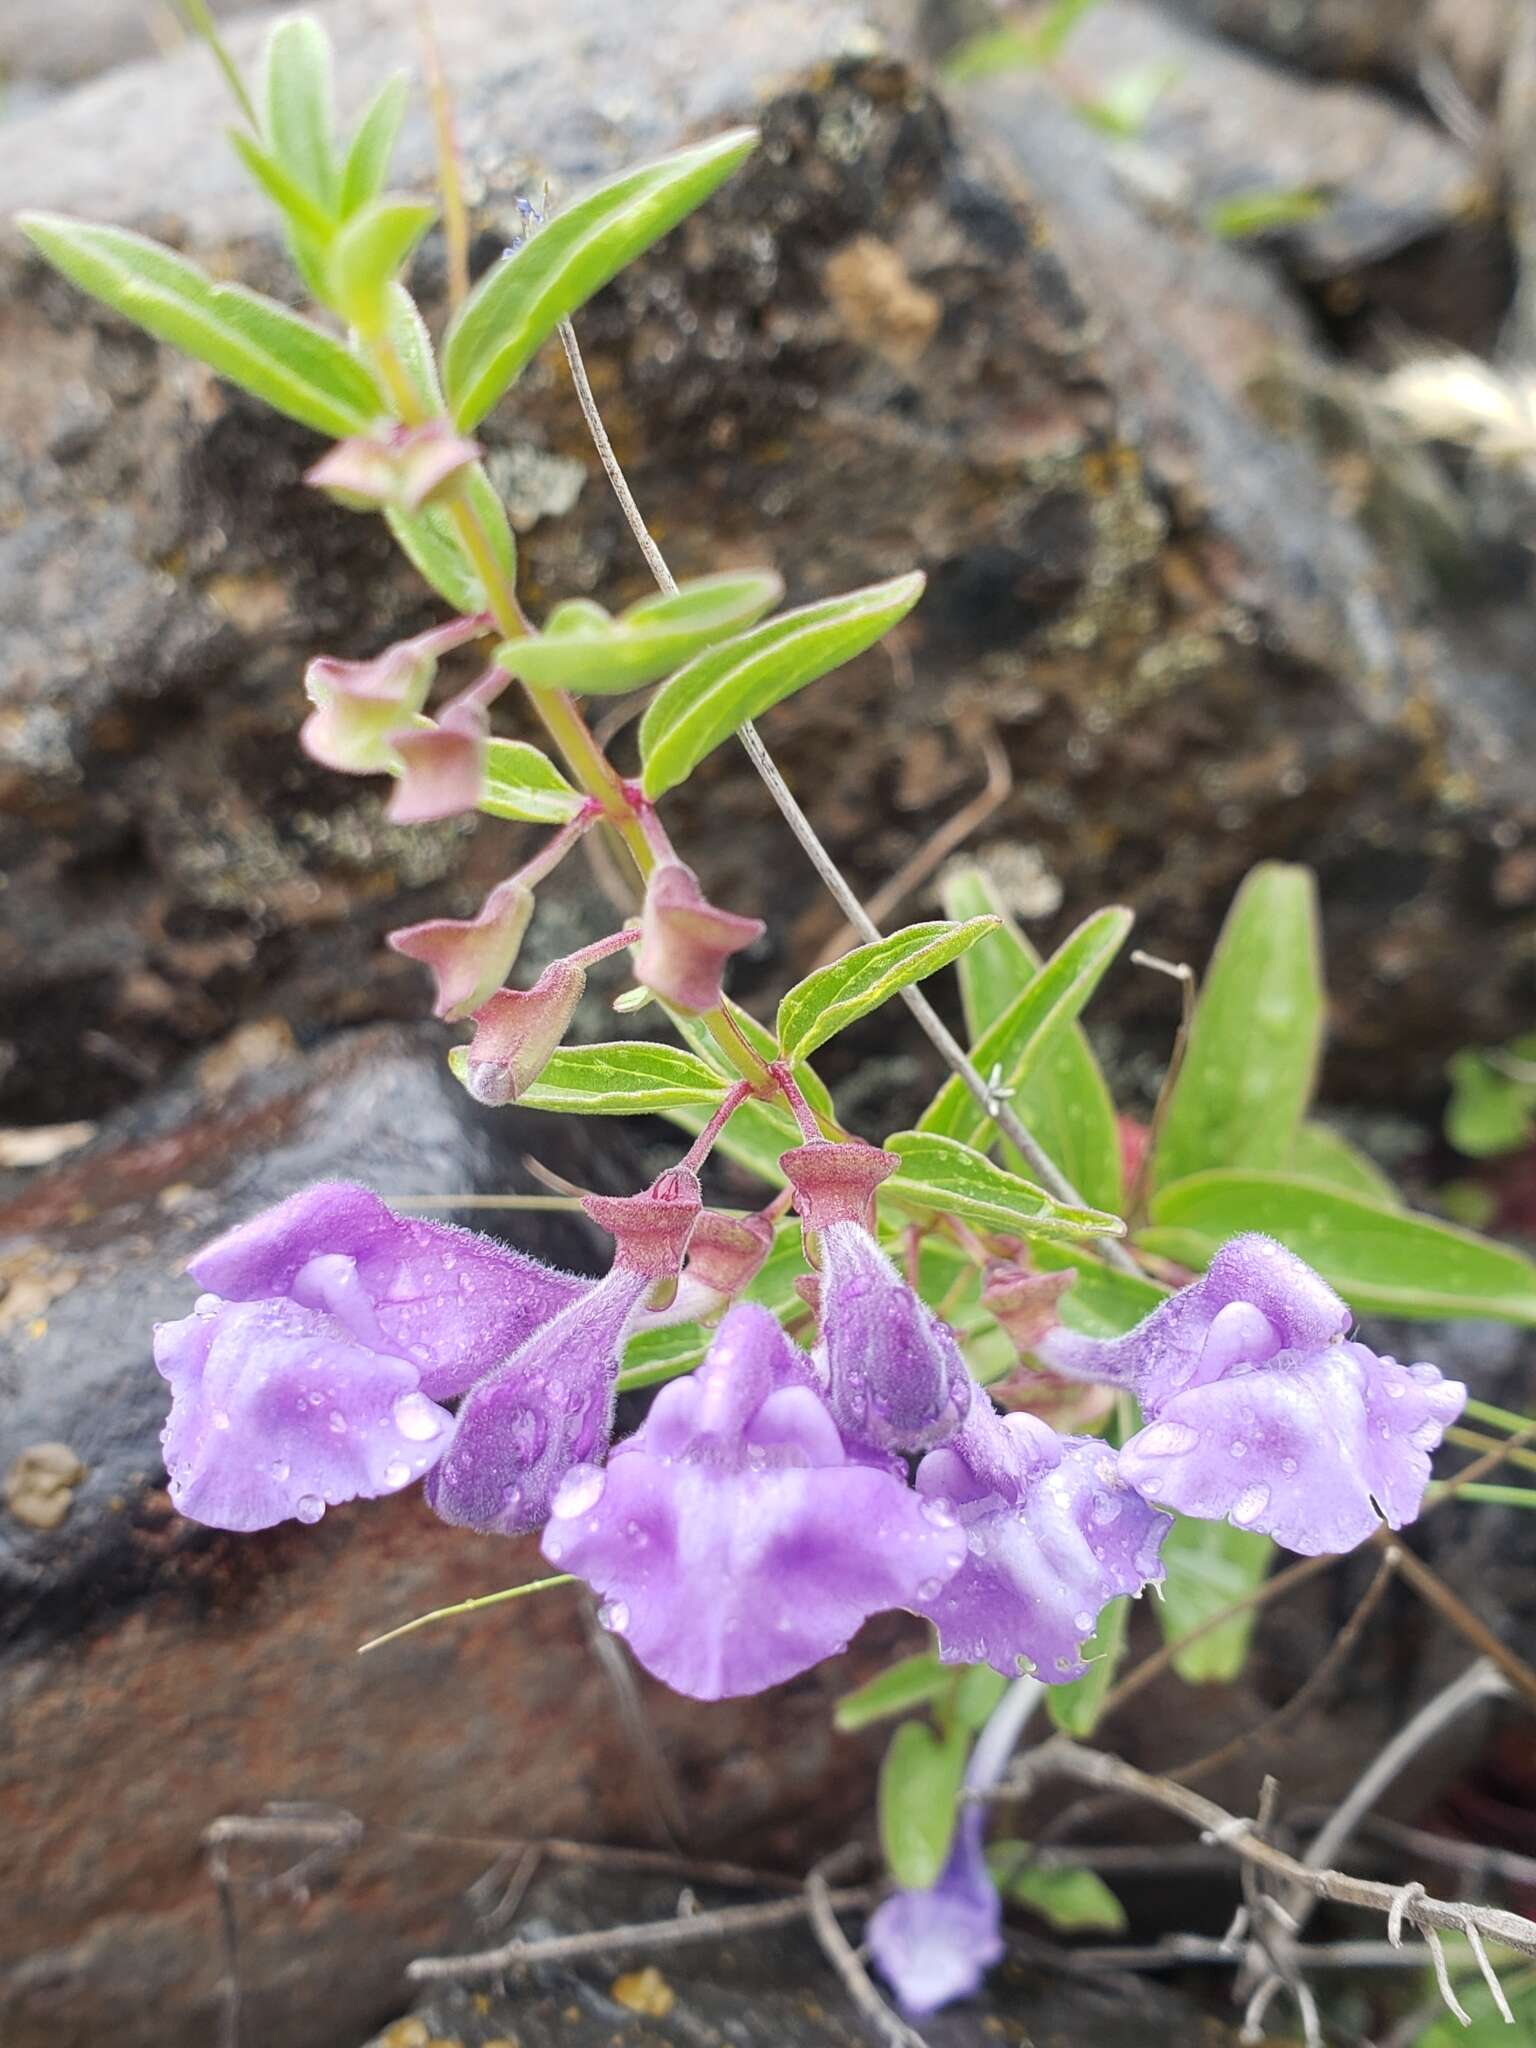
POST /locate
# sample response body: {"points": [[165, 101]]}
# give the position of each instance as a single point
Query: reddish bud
{"points": [[442, 767], [361, 706], [836, 1183], [1023, 1302], [470, 958], [401, 469], [651, 1230], [517, 1030], [685, 941]]}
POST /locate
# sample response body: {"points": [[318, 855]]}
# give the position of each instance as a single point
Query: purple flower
{"points": [[895, 1377], [550, 1406], [685, 941], [470, 958], [935, 1946], [1260, 1411], [1053, 1534], [734, 1541], [311, 1370], [402, 468]]}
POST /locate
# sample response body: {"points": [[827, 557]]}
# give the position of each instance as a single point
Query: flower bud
{"points": [[650, 1230], [399, 470], [470, 958], [836, 1183], [360, 705], [516, 1031], [685, 941]]}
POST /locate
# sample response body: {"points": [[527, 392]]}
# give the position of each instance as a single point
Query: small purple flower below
{"points": [[935, 1946], [732, 1539], [1260, 1411]]}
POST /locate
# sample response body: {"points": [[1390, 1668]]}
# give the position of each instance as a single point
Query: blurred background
{"points": [[1190, 347]]}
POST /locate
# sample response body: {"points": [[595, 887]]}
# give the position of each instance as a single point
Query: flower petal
{"points": [[896, 1378], [450, 1302], [935, 1946], [278, 1412], [1301, 1447]]}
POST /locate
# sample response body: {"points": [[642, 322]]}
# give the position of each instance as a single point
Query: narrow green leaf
{"points": [[1073, 1901], [431, 544], [1383, 1261], [836, 996], [412, 343], [1017, 1045], [919, 1794], [911, 1683], [366, 165], [1253, 1046], [522, 782], [581, 648], [304, 213], [948, 1177], [719, 690], [978, 1689], [1209, 1565], [297, 116], [254, 342], [629, 1078], [1264, 212], [1076, 1706], [369, 253], [519, 303], [1490, 1110], [1066, 1104], [1319, 1153]]}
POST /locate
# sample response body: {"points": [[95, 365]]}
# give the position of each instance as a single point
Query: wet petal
{"points": [[935, 1946], [1304, 1448], [895, 1375], [277, 1412]]}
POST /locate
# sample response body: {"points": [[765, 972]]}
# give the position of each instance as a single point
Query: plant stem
{"points": [[936, 1030]]}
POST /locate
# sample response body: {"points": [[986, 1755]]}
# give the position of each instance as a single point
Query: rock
{"points": [[155, 1675], [772, 1989], [1390, 40], [42, 43], [914, 331]]}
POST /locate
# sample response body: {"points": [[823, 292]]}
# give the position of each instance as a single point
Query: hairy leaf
{"points": [[581, 648], [951, 1178], [629, 1078], [911, 1683], [522, 782], [296, 113], [366, 165], [836, 996]]}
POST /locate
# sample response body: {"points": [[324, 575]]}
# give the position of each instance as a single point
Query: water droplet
{"points": [[614, 1616], [929, 1589], [338, 1423], [416, 1418], [397, 1472], [309, 1507], [1249, 1505], [280, 1469], [757, 1457], [1106, 1509], [1426, 1436], [1395, 1390], [580, 1489], [1289, 1467], [1167, 1440], [206, 1304], [220, 1419], [315, 1400], [1238, 1448], [1083, 1623], [939, 1512]]}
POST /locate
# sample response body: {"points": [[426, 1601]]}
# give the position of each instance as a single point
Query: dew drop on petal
{"points": [[939, 1512], [280, 1469], [1167, 1440], [1249, 1505], [309, 1507], [1083, 1623], [396, 1472], [416, 1418], [614, 1616], [220, 1419], [1238, 1448], [580, 1489], [1289, 1467], [929, 1589], [337, 1423]]}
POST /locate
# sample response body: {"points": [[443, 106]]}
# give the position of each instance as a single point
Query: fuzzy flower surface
{"points": [[937, 1945], [733, 1539], [313, 1368], [1260, 1409]]}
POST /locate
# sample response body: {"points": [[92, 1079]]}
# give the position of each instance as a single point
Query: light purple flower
{"points": [[685, 941], [935, 1946], [400, 467], [1260, 1411], [1053, 1534], [895, 1378], [470, 958], [550, 1407], [734, 1541], [311, 1370]]}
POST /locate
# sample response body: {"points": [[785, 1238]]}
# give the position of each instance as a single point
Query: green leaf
{"points": [[629, 1078], [1025, 1035], [719, 690], [412, 343], [1066, 1105], [947, 1177], [978, 1689], [1252, 1055], [432, 545], [254, 342], [297, 116], [1126, 104], [920, 1780], [834, 997], [305, 215], [581, 648], [1209, 1565], [1319, 1153], [369, 253], [1264, 211], [519, 303], [911, 1683], [1383, 1261], [522, 782], [1489, 1111], [1076, 1706], [1073, 1901], [367, 160]]}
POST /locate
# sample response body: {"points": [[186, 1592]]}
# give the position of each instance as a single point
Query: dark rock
{"points": [[1391, 40], [770, 1990], [42, 43]]}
